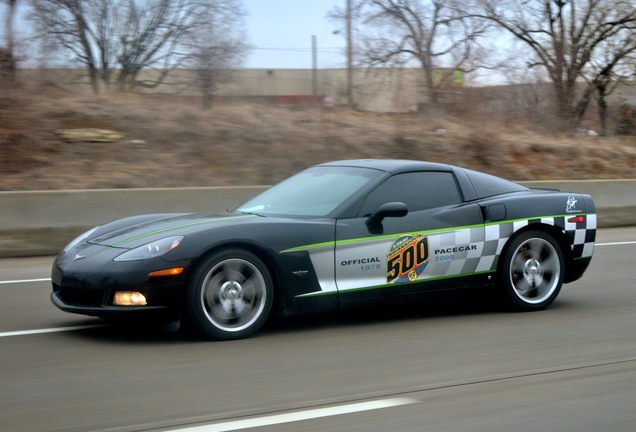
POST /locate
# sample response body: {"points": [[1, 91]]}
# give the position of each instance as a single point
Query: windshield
{"points": [[315, 192]]}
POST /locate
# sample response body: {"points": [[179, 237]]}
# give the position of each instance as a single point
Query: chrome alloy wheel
{"points": [[233, 295], [535, 270]]}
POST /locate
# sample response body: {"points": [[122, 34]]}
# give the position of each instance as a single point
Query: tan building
{"points": [[385, 90]]}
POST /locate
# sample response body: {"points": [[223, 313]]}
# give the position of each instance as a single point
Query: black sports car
{"points": [[335, 235]]}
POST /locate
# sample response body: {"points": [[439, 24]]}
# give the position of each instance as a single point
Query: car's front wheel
{"points": [[532, 271], [229, 296]]}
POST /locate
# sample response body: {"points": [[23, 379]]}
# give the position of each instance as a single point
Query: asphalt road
{"points": [[454, 364]]}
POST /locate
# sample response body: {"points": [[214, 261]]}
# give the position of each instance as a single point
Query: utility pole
{"points": [[314, 69], [349, 57], [7, 59], [9, 25]]}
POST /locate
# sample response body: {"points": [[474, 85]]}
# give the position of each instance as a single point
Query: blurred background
{"points": [[121, 94], [133, 93]]}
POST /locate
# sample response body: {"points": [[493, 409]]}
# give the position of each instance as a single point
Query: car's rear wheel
{"points": [[532, 271], [229, 296]]}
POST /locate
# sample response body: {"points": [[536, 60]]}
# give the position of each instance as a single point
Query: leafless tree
{"points": [[613, 67], [7, 56], [215, 48], [434, 34], [116, 39], [574, 41], [68, 23]]}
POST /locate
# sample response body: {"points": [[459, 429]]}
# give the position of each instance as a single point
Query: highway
{"points": [[451, 364]]}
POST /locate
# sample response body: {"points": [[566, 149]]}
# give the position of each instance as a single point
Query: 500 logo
{"points": [[407, 258]]}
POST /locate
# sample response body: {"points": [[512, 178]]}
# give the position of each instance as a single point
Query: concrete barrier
{"points": [[615, 199], [42, 222]]}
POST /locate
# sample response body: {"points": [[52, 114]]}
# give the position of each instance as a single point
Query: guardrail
{"points": [[42, 222]]}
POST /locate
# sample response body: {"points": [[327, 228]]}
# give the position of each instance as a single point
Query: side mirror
{"points": [[392, 209]]}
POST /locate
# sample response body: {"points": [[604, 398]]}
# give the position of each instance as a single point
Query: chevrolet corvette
{"points": [[336, 235]]}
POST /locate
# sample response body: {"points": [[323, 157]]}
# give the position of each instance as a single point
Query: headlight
{"points": [[79, 239], [151, 250]]}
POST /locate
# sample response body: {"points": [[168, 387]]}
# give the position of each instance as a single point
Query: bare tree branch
{"points": [[435, 35], [117, 39], [573, 40]]}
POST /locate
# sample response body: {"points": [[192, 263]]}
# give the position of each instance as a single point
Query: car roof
{"points": [[393, 166]]}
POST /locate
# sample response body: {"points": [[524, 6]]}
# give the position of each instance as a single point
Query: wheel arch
{"points": [[528, 290], [259, 251], [559, 237]]}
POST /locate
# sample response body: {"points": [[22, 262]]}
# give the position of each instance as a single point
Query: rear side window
{"points": [[418, 190], [487, 185]]}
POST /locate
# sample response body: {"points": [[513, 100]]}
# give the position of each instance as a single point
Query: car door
{"points": [[441, 237]]}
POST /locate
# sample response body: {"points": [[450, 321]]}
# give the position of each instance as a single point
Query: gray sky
{"points": [[281, 33]]}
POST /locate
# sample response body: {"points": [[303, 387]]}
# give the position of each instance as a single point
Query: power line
{"points": [[299, 49]]}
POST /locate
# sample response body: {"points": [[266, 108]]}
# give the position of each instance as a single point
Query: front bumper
{"points": [[154, 313], [88, 286]]}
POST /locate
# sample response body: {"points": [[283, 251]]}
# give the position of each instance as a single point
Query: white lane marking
{"points": [[25, 281], [299, 416], [616, 243], [49, 330]]}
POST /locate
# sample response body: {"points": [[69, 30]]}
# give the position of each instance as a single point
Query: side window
{"points": [[418, 190]]}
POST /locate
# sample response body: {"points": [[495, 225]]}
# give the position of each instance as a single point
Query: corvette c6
{"points": [[336, 235]]}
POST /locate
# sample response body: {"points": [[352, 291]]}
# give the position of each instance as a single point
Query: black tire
{"points": [[532, 270], [229, 296]]}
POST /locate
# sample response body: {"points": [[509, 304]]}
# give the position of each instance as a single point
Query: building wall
{"points": [[382, 90], [387, 90]]}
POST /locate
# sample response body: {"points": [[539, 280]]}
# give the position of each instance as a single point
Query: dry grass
{"points": [[170, 143]]}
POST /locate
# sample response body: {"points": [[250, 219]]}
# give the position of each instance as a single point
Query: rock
{"points": [[89, 135]]}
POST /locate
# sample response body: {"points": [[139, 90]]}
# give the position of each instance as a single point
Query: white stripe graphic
{"points": [[63, 329], [17, 281]]}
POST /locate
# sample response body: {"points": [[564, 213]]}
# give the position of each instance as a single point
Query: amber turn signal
{"points": [[167, 272]]}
